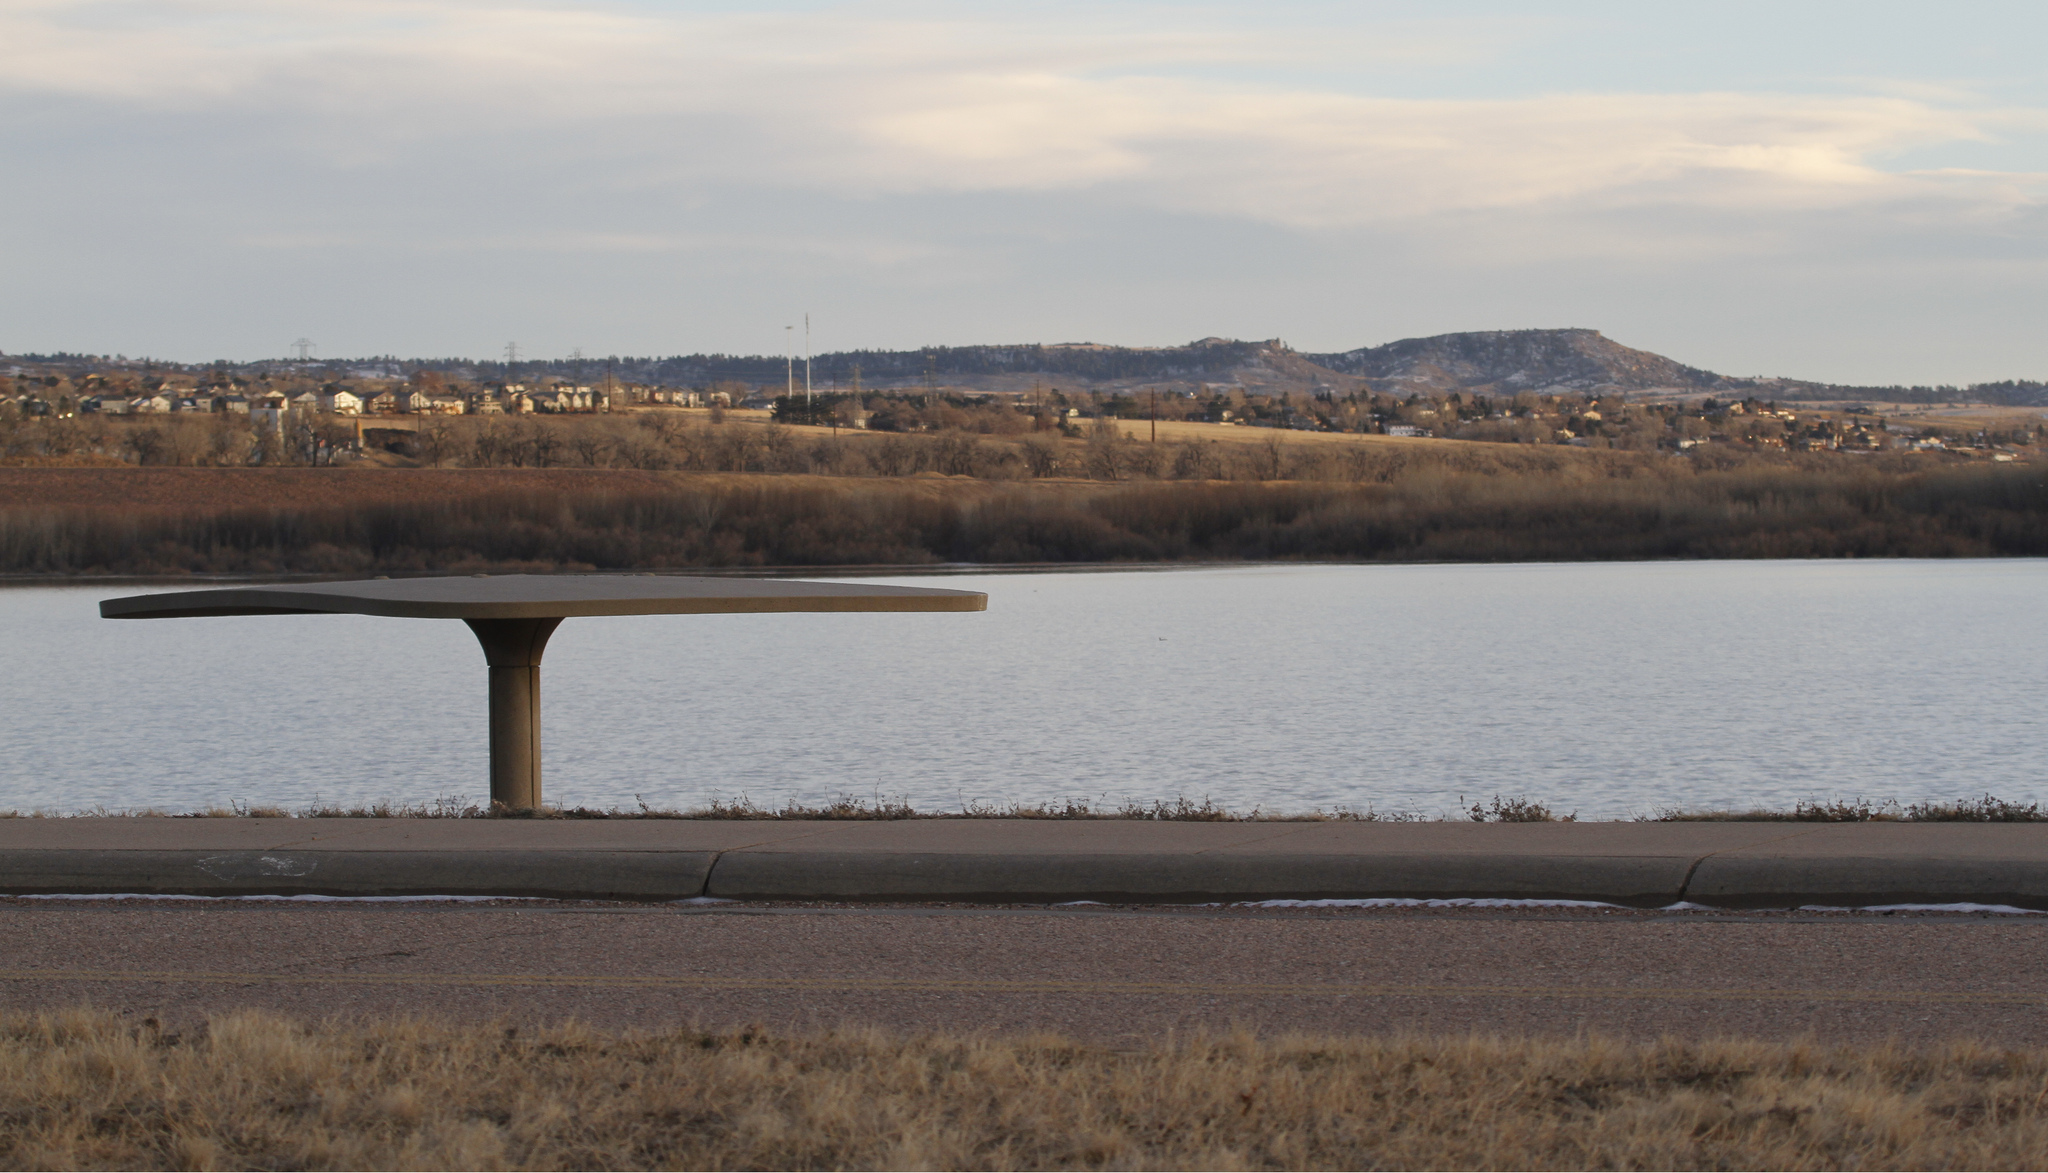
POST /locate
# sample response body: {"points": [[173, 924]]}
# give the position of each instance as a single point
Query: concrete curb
{"points": [[1033, 861], [1173, 879], [1752, 882], [564, 875]]}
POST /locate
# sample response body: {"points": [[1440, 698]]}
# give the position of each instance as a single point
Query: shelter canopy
{"points": [[538, 596]]}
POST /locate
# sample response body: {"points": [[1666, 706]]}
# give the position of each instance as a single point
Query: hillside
{"points": [[1515, 360], [1496, 362], [1487, 361]]}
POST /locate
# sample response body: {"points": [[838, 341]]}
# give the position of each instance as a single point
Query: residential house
{"points": [[268, 411]]}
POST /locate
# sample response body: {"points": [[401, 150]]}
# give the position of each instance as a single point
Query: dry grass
{"points": [[1986, 808], [87, 1089]]}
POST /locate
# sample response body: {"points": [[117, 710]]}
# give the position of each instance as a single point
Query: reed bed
{"points": [[1428, 515], [88, 1089]]}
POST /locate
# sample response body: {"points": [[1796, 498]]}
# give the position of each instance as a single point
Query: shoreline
{"points": [[952, 569]]}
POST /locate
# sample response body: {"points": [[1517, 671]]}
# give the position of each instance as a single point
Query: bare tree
{"points": [[894, 456], [1194, 461], [436, 438], [1269, 457], [1107, 456], [592, 445], [1042, 456]]}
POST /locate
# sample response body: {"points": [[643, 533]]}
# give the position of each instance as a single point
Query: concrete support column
{"points": [[513, 648]]}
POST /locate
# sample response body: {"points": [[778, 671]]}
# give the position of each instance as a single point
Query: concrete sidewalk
{"points": [[1735, 865]]}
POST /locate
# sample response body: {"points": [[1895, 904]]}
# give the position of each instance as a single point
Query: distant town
{"points": [[1570, 388]]}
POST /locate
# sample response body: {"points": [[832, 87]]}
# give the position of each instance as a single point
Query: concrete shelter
{"points": [[514, 614]]}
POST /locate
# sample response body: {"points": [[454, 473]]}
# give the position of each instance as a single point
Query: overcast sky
{"points": [[1848, 191]]}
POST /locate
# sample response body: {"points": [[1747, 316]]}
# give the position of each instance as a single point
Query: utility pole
{"points": [[931, 379], [1155, 415], [807, 358], [789, 361]]}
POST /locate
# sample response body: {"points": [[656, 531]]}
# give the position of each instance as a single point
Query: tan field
{"points": [[127, 487], [1176, 431], [1170, 431], [92, 1090]]}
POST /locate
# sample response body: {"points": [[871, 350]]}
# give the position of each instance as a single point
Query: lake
{"points": [[1610, 689]]}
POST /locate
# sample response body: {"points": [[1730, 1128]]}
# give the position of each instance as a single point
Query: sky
{"points": [[1836, 191]]}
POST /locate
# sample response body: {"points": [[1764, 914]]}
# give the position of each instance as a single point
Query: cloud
{"points": [[867, 106], [416, 172]]}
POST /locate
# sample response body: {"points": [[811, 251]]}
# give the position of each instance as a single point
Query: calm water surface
{"points": [[1609, 689]]}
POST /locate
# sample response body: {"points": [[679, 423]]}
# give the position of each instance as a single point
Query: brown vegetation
{"points": [[1986, 808], [1442, 511], [90, 1090]]}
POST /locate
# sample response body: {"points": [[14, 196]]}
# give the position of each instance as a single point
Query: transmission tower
{"points": [[304, 347], [511, 357]]}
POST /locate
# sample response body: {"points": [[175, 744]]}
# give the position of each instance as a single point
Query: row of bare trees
{"points": [[667, 440]]}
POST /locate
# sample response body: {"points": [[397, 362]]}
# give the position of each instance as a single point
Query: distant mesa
{"points": [[1518, 360]]}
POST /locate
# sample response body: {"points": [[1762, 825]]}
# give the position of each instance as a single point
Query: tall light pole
{"points": [[807, 358]]}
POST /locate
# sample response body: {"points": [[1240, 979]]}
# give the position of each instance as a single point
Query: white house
{"points": [[267, 411]]}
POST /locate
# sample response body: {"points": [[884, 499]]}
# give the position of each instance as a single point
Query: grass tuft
{"points": [[1515, 810], [1984, 809]]}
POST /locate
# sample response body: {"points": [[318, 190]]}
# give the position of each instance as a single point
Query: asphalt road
{"points": [[1105, 974]]}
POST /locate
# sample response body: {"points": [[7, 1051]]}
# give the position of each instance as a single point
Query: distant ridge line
{"points": [[1576, 360]]}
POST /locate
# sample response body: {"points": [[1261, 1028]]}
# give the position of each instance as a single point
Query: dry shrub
{"points": [[86, 1089], [1430, 513]]}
